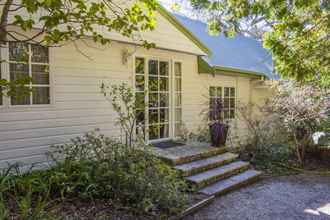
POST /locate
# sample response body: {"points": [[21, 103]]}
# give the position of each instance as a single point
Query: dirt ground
{"points": [[298, 197]]}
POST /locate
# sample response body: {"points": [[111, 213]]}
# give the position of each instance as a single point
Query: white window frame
{"points": [[6, 75], [146, 98], [223, 97]]}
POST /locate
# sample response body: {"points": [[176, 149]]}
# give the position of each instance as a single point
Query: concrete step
{"points": [[234, 182], [198, 166], [186, 154], [218, 173]]}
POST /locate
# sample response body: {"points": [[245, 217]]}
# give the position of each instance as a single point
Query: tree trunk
{"points": [[4, 21]]}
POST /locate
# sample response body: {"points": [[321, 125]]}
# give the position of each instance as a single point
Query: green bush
{"points": [[96, 167]]}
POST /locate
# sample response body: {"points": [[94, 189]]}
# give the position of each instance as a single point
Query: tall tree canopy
{"points": [[52, 22], [297, 32]]}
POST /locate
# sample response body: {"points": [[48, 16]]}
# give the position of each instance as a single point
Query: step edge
{"points": [[204, 168], [232, 172], [199, 156], [233, 186]]}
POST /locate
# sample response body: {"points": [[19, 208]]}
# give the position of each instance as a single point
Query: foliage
{"points": [[266, 143], [125, 105], [16, 88], [296, 32], [63, 20], [94, 167], [301, 109]]}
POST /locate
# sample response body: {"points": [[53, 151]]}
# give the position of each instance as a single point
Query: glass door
{"points": [[152, 86]]}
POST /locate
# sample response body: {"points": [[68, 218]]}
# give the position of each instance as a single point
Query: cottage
{"points": [[180, 73]]}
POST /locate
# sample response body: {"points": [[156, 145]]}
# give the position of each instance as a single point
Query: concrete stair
{"points": [[231, 183], [212, 171], [198, 166], [214, 175]]}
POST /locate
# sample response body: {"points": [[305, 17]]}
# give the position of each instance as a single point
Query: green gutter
{"points": [[204, 67], [183, 29]]}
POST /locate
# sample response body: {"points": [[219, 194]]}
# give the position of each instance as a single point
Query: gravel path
{"points": [[301, 197]]}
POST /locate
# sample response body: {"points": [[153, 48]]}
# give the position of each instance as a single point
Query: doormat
{"points": [[167, 144]]}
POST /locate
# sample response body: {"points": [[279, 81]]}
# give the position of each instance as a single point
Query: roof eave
{"points": [[183, 29], [205, 67]]}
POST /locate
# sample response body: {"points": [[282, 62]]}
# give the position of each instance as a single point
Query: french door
{"points": [[156, 109]]}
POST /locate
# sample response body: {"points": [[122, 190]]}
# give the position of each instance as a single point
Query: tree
{"points": [[53, 22], [297, 32]]}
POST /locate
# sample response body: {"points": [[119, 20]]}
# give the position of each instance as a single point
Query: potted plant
{"points": [[218, 128]]}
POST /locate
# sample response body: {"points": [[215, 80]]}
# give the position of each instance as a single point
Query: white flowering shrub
{"points": [[302, 109]]}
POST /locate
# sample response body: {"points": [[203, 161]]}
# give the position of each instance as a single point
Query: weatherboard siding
{"points": [[78, 106]]}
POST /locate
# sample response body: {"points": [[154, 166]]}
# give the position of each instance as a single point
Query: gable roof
{"points": [[173, 20], [238, 54]]}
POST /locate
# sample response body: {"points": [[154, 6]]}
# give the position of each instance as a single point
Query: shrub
{"points": [[266, 142], [100, 167], [94, 167], [302, 109]]}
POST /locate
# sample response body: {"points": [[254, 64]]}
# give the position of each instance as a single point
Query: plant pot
{"points": [[218, 133]]}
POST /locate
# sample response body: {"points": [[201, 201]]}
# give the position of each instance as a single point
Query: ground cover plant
{"points": [[93, 168]]}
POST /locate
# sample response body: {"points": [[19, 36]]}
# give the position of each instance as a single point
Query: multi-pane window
{"points": [[227, 97], [29, 60], [140, 93], [152, 82], [1, 102], [158, 99], [177, 98]]}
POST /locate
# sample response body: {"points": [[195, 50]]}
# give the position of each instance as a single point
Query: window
{"points": [[152, 95], [177, 98], [1, 101], [226, 95], [29, 60]]}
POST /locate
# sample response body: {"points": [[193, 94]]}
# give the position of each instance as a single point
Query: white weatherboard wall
{"points": [[78, 106], [26, 132]]}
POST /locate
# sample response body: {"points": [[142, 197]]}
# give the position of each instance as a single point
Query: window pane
{"points": [[153, 116], [219, 92], [18, 52], [163, 129], [163, 68], [232, 92], [163, 115], [18, 71], [139, 65], [153, 100], [178, 85], [164, 100], [39, 54], [163, 84], [153, 83], [153, 67], [213, 91], [40, 74], [140, 117], [232, 113], [226, 114], [153, 132], [177, 69], [232, 103], [40, 95], [20, 100], [178, 114], [0, 86], [226, 91], [139, 83], [178, 99], [139, 100], [226, 102]]}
